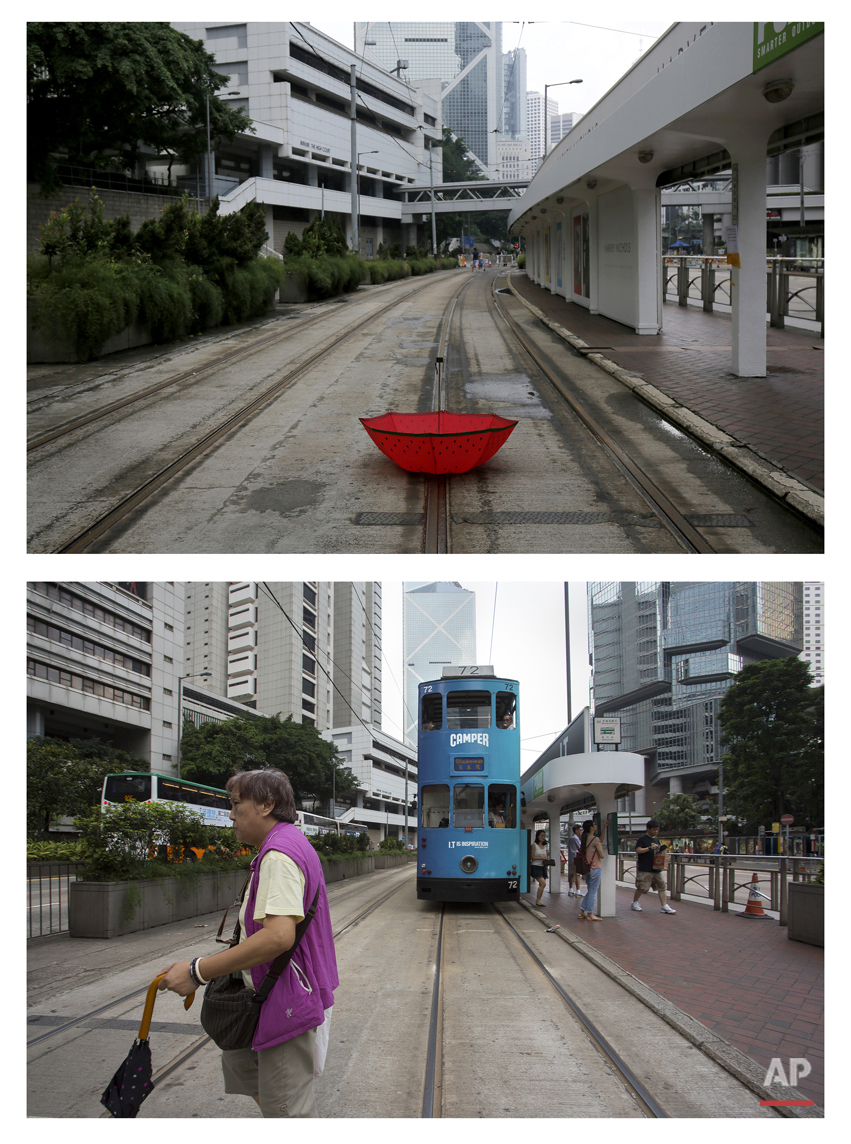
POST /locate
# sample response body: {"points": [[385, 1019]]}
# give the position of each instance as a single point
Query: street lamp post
{"points": [[564, 83], [205, 674], [356, 236]]}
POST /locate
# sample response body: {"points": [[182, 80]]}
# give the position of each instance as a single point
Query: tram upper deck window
{"points": [[469, 805], [432, 712], [435, 805], [468, 710], [506, 709]]}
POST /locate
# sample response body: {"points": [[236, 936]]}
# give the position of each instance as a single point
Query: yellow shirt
{"points": [[280, 892]]}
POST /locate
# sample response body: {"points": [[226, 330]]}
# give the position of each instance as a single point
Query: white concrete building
{"points": [[387, 773], [316, 657], [104, 662], [535, 120], [706, 98], [300, 158]]}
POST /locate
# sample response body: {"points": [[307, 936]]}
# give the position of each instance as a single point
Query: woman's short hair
{"points": [[266, 786], [537, 832]]}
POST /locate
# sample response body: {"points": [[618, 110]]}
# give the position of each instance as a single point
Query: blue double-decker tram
{"points": [[471, 847]]}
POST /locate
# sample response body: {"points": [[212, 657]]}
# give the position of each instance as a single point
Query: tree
{"points": [[678, 812], [100, 93], [459, 166], [213, 752], [60, 782], [772, 727]]}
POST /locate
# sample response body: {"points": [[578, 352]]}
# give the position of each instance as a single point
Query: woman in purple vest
{"points": [[278, 1070]]}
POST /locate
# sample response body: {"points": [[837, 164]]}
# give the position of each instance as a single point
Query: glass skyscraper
{"points": [[665, 652], [439, 630], [467, 59]]}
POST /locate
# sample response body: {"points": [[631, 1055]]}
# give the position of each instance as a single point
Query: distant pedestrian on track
{"points": [[278, 1070], [573, 847], [540, 851], [593, 852], [646, 878]]}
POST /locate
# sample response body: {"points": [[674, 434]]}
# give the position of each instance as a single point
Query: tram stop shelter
{"points": [[706, 98], [563, 784]]}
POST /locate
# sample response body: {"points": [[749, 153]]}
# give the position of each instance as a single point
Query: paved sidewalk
{"points": [[780, 417], [743, 980]]}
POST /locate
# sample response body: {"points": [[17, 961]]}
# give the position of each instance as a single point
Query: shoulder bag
{"points": [[580, 862], [231, 1009]]}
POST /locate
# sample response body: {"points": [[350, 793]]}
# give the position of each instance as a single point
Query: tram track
{"points": [[437, 512], [125, 507], [433, 1094], [659, 503], [196, 373], [188, 1051]]}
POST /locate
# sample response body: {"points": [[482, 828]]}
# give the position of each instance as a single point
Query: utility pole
{"points": [[434, 254], [354, 114]]}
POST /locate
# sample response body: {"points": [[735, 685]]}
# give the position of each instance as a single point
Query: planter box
{"points": [[293, 290], [350, 868], [42, 346], [382, 861], [806, 913], [107, 909]]}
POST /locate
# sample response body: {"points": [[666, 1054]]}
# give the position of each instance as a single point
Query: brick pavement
{"points": [[780, 416], [744, 980]]}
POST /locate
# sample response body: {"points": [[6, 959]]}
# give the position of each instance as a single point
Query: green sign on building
{"points": [[773, 40]]}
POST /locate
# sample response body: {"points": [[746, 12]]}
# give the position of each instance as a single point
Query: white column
{"points": [[593, 258], [675, 784], [748, 287], [647, 222], [606, 803], [555, 871]]}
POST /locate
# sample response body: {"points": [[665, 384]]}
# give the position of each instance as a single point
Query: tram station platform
{"points": [[779, 417], [742, 979]]}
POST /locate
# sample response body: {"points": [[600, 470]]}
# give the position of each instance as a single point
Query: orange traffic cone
{"points": [[754, 909]]}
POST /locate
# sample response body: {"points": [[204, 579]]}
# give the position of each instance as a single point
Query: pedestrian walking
{"points": [[592, 851], [540, 852], [277, 1071], [574, 845], [646, 877]]}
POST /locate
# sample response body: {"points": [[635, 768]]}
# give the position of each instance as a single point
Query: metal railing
{"points": [[48, 893], [794, 286], [720, 872], [88, 177]]}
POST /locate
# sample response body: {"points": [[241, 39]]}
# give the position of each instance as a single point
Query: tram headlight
{"points": [[469, 864]]}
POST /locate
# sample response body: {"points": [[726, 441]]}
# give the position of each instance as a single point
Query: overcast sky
{"points": [[520, 629], [556, 50]]}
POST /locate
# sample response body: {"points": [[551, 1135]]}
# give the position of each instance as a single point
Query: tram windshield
{"points": [[468, 710], [502, 806], [432, 710], [506, 709], [469, 805], [435, 805]]}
